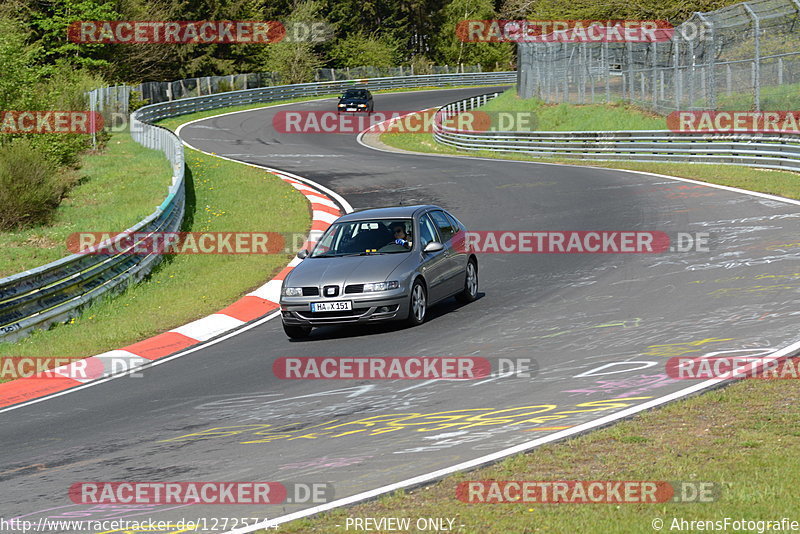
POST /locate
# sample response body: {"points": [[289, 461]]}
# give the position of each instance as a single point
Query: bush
{"points": [[31, 186]]}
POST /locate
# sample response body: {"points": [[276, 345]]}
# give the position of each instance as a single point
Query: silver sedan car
{"points": [[379, 265]]}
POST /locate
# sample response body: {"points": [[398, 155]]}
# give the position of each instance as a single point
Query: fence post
{"points": [[710, 64], [566, 76], [677, 81], [653, 80], [691, 82], [93, 110], [757, 60], [631, 81], [729, 79], [606, 61]]}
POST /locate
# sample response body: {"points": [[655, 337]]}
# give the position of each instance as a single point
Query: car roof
{"points": [[395, 212]]}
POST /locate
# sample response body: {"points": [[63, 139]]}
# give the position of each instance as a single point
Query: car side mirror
{"points": [[433, 246], [302, 254]]}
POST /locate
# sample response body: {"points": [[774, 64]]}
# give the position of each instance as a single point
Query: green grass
{"points": [[743, 438], [773, 98], [222, 196], [125, 170], [569, 117]]}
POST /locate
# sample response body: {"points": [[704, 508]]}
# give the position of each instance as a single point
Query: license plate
{"points": [[352, 109], [331, 306]]}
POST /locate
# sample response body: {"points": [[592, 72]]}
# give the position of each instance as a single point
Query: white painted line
{"points": [[325, 216], [316, 199], [270, 291], [208, 327]]}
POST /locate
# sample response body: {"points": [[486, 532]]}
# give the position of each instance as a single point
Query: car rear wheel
{"points": [[418, 304], [297, 332], [470, 291]]}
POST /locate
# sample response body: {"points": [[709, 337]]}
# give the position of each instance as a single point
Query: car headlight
{"points": [[381, 286], [362, 105], [341, 105], [292, 291]]}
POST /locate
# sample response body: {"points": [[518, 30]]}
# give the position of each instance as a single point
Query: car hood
{"points": [[344, 270], [350, 101]]}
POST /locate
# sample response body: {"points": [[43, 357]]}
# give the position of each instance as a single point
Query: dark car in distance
{"points": [[355, 100]]}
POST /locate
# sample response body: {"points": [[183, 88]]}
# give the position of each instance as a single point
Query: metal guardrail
{"points": [[164, 110], [59, 290], [752, 150]]}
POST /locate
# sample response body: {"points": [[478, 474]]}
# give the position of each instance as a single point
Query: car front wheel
{"points": [[418, 304], [297, 332]]}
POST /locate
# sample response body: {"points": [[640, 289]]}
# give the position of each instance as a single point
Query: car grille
{"points": [[310, 291], [354, 288]]}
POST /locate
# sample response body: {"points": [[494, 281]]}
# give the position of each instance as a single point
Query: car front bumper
{"points": [[297, 311]]}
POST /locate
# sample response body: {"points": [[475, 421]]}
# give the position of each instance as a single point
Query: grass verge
{"points": [[570, 117], [124, 170]]}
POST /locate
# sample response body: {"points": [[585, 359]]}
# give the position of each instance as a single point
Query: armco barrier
{"points": [[57, 291], [752, 150], [164, 110]]}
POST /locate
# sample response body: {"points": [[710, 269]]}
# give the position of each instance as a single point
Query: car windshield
{"points": [[373, 236], [355, 93]]}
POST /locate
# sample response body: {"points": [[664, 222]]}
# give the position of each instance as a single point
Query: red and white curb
{"points": [[252, 306]]}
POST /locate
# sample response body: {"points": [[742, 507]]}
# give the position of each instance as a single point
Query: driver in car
{"points": [[399, 230]]}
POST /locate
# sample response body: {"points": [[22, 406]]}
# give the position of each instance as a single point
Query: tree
{"points": [[360, 49], [296, 62], [450, 49]]}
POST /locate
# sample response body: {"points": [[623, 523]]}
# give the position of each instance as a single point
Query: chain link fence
{"points": [[741, 57]]}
